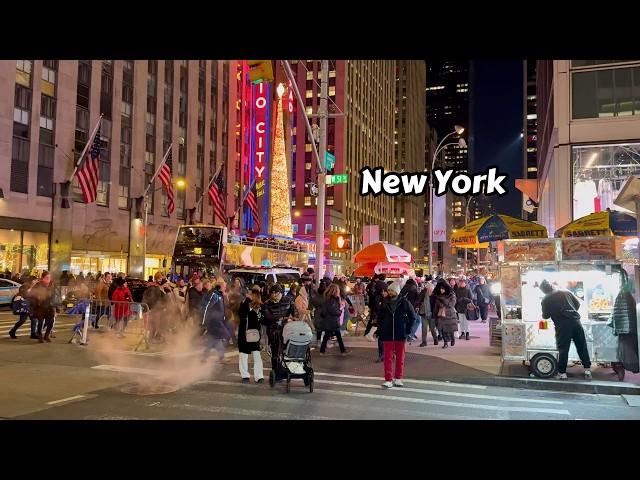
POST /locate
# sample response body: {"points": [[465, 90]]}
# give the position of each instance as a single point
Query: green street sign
{"points": [[337, 179], [329, 160]]}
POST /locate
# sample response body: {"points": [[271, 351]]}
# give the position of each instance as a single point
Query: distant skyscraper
{"points": [[531, 122]]}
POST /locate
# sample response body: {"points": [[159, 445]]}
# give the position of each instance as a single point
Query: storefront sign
{"points": [[530, 251]]}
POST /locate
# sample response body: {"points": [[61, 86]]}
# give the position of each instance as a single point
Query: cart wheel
{"points": [[288, 383], [311, 382], [544, 365], [272, 379], [619, 369]]}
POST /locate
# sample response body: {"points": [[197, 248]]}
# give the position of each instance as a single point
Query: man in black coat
{"points": [[275, 311], [394, 325], [562, 307]]}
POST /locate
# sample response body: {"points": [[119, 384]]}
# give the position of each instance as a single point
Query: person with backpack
{"points": [[218, 330], [483, 298], [41, 303], [20, 306], [394, 326]]}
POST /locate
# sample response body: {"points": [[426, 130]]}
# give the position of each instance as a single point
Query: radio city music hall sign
{"points": [[260, 133]]}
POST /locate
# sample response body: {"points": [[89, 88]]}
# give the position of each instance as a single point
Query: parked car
{"points": [[8, 290]]}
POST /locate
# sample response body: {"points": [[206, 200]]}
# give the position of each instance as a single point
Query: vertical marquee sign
{"points": [[260, 147]]}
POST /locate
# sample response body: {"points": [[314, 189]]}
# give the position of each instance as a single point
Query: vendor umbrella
{"points": [[382, 252], [478, 233], [600, 224], [365, 270], [388, 268]]}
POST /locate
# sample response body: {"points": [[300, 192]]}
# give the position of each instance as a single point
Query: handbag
{"points": [[252, 334], [472, 312]]}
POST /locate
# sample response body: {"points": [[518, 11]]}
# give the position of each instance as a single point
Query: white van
{"points": [[269, 275]]}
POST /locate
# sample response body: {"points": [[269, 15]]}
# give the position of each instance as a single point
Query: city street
{"points": [[62, 381]]}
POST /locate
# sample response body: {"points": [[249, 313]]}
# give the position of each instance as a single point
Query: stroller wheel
{"points": [[272, 379]]}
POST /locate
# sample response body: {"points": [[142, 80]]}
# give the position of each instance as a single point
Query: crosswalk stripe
{"points": [[445, 393], [431, 392], [381, 396], [309, 401], [68, 399], [407, 380]]}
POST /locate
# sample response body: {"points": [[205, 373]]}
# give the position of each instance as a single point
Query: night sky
{"points": [[497, 123]]}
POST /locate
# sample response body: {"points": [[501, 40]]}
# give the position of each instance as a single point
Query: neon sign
{"points": [[260, 133]]}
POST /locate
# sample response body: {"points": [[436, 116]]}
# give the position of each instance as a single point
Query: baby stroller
{"points": [[294, 355]]}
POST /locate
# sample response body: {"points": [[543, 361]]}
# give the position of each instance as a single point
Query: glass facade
{"points": [[599, 171], [610, 92], [22, 251], [107, 262]]}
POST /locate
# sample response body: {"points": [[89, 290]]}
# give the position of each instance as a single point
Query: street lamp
{"points": [[466, 221], [181, 183], [458, 130]]}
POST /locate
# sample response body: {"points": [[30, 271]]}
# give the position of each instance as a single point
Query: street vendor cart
{"points": [[587, 267]]}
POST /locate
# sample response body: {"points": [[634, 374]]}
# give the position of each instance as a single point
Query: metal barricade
{"points": [[360, 306], [118, 317]]}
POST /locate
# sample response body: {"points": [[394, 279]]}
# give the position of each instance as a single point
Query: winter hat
{"points": [[394, 287]]}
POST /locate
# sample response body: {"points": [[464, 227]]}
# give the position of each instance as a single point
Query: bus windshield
{"points": [[198, 249]]}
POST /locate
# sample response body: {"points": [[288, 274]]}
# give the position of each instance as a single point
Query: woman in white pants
{"points": [[464, 299], [249, 336]]}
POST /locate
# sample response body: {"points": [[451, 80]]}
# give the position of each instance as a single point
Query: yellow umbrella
{"points": [[479, 233]]}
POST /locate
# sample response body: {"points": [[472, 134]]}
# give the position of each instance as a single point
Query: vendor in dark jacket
{"points": [[394, 324], [464, 301], [275, 312], [562, 307]]}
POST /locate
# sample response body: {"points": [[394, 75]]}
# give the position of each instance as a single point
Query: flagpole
{"points": [[164, 159], [213, 179], [86, 147]]}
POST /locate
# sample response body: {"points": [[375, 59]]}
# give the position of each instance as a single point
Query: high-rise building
{"points": [[409, 140], [146, 105], [531, 131], [448, 105], [365, 89], [588, 114]]}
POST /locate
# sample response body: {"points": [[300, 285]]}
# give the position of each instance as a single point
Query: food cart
{"points": [[587, 267]]}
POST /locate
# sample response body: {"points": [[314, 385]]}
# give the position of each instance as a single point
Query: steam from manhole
{"points": [[155, 389]]}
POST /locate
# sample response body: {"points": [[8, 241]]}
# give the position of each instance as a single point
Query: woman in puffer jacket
{"points": [[445, 311]]}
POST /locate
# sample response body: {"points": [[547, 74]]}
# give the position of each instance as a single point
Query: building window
{"points": [[599, 171], [20, 165], [294, 228], [606, 93], [587, 63], [330, 200], [307, 201], [308, 228], [309, 94], [332, 91]]}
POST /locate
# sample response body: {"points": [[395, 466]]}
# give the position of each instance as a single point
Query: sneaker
{"points": [[260, 380], [245, 380], [387, 385], [587, 374], [12, 334], [398, 383], [561, 376], [423, 344]]}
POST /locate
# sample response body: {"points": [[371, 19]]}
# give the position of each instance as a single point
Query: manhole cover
{"points": [[155, 389]]}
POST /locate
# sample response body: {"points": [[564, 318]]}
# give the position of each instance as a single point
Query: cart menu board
{"points": [[510, 283], [514, 345], [588, 249], [530, 251]]}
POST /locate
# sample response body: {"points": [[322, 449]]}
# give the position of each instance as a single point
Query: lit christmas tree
{"points": [[280, 199]]}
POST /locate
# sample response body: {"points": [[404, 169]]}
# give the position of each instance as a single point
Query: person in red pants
{"points": [[394, 325]]}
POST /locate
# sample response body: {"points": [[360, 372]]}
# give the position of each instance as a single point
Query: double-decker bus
{"points": [[210, 249]]}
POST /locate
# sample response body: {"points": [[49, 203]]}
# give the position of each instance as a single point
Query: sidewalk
{"points": [[474, 361]]}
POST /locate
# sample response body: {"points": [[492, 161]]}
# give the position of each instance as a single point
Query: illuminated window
{"points": [[294, 228], [24, 65], [307, 147], [310, 75], [309, 94], [532, 169], [309, 110], [332, 91], [307, 228], [330, 201], [332, 73], [532, 116], [307, 165], [401, 219], [307, 201], [49, 75]]}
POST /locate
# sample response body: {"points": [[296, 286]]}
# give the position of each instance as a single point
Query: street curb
{"points": [[573, 386]]}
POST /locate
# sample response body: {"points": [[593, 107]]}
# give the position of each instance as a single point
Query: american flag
{"points": [[252, 203], [216, 194], [88, 174], [165, 178]]}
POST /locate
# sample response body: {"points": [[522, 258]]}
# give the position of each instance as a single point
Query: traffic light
{"points": [[340, 242], [260, 71]]}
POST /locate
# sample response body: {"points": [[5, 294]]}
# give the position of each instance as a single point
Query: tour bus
{"points": [[210, 249]]}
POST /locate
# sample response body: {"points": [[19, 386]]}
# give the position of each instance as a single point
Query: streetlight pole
{"points": [[466, 221], [322, 174], [458, 130]]}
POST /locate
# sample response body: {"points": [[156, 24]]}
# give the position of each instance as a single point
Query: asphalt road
{"points": [[61, 381]]}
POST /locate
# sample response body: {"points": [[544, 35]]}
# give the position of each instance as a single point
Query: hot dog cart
{"points": [[585, 266]]}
